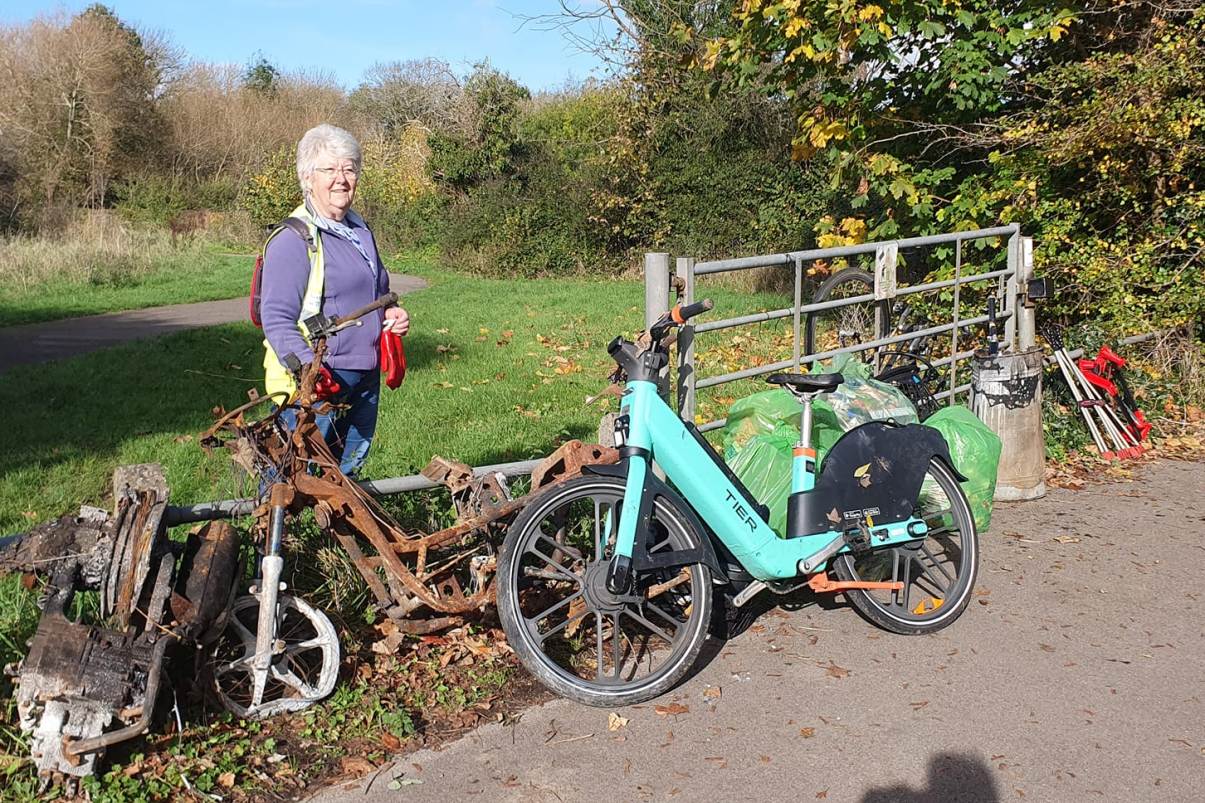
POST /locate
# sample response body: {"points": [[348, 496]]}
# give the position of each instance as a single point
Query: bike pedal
{"points": [[858, 539]]}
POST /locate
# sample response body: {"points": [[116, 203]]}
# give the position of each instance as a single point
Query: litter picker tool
{"points": [[1105, 436]]}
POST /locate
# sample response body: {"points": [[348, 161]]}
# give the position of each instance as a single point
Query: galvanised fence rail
{"points": [[1009, 284]]}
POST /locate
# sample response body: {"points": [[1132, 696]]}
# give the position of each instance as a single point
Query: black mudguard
{"points": [[653, 487], [874, 470]]}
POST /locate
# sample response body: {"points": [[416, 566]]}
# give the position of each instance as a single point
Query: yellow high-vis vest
{"points": [[277, 378]]}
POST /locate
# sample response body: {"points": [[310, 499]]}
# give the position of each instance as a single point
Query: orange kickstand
{"points": [[820, 583]]}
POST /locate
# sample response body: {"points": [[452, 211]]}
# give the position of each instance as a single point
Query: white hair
{"points": [[324, 139]]}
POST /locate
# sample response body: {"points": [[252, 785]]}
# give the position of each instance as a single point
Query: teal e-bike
{"points": [[606, 582]]}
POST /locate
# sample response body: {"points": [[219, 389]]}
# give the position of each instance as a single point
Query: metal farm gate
{"points": [[1009, 283]]}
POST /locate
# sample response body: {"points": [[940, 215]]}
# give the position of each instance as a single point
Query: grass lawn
{"points": [[200, 273]]}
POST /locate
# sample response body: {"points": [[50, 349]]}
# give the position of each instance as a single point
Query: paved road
{"points": [[1076, 675], [42, 342]]}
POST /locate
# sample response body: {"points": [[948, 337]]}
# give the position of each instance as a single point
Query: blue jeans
{"points": [[349, 431]]}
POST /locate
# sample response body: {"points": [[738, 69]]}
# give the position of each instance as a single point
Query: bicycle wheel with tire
{"points": [[938, 573], [304, 662], [836, 328], [578, 638]]}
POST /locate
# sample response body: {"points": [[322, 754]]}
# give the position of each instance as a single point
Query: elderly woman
{"points": [[336, 270]]}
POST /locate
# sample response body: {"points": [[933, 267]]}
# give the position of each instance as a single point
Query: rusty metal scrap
{"points": [[436, 576]]}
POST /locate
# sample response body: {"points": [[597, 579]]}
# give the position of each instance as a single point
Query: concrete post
{"points": [[656, 303], [656, 287], [1006, 394]]}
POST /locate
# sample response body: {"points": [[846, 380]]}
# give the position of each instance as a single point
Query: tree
{"points": [[420, 91], [261, 76], [491, 144], [78, 106]]}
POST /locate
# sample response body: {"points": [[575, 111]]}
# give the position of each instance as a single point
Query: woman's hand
{"points": [[397, 320]]}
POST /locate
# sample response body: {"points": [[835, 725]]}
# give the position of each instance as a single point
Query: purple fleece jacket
{"points": [[349, 283]]}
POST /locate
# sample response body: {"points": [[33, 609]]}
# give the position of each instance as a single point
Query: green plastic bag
{"points": [[975, 450], [761, 433]]}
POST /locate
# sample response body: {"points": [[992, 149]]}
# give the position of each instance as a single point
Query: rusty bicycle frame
{"points": [[405, 571]]}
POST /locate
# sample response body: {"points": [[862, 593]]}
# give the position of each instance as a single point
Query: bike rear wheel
{"points": [[938, 573], [579, 639], [830, 329]]}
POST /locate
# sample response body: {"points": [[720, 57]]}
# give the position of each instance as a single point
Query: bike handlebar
{"points": [[681, 314], [384, 301]]}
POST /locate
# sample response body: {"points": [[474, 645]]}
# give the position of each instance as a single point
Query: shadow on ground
{"points": [[952, 778]]}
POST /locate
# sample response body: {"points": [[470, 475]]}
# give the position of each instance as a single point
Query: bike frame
{"points": [[655, 432]]}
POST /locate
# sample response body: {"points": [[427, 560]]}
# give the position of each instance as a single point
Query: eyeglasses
{"points": [[329, 173]]}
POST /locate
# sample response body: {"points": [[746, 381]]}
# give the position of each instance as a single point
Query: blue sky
{"points": [[344, 37]]}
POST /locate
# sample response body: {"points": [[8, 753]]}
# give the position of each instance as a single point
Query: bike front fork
{"points": [[267, 589]]}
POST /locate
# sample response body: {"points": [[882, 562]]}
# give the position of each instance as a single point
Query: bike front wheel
{"points": [[303, 665], [938, 573], [578, 638]]}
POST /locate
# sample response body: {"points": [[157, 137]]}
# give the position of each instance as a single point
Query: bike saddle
{"points": [[808, 383]]}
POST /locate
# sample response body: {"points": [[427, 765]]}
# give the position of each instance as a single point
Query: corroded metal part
{"points": [[75, 681], [209, 575], [70, 540], [140, 539], [434, 576], [568, 460]]}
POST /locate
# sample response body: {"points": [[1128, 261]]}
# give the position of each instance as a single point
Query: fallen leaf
{"points": [[822, 794], [673, 709], [391, 742], [807, 733], [356, 765], [834, 671], [615, 721], [719, 761], [226, 779], [713, 692]]}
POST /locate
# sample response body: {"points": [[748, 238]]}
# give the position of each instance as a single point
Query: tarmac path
{"points": [[53, 340], [1077, 674]]}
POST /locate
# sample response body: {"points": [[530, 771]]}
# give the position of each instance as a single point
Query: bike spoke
{"points": [[542, 637], [936, 565], [631, 613], [289, 678], [554, 607], [598, 641], [675, 621], [245, 635], [293, 649], [616, 643], [598, 547], [556, 567], [237, 665]]}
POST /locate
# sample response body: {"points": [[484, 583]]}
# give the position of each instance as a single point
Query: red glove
{"points": [[393, 359], [326, 385]]}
